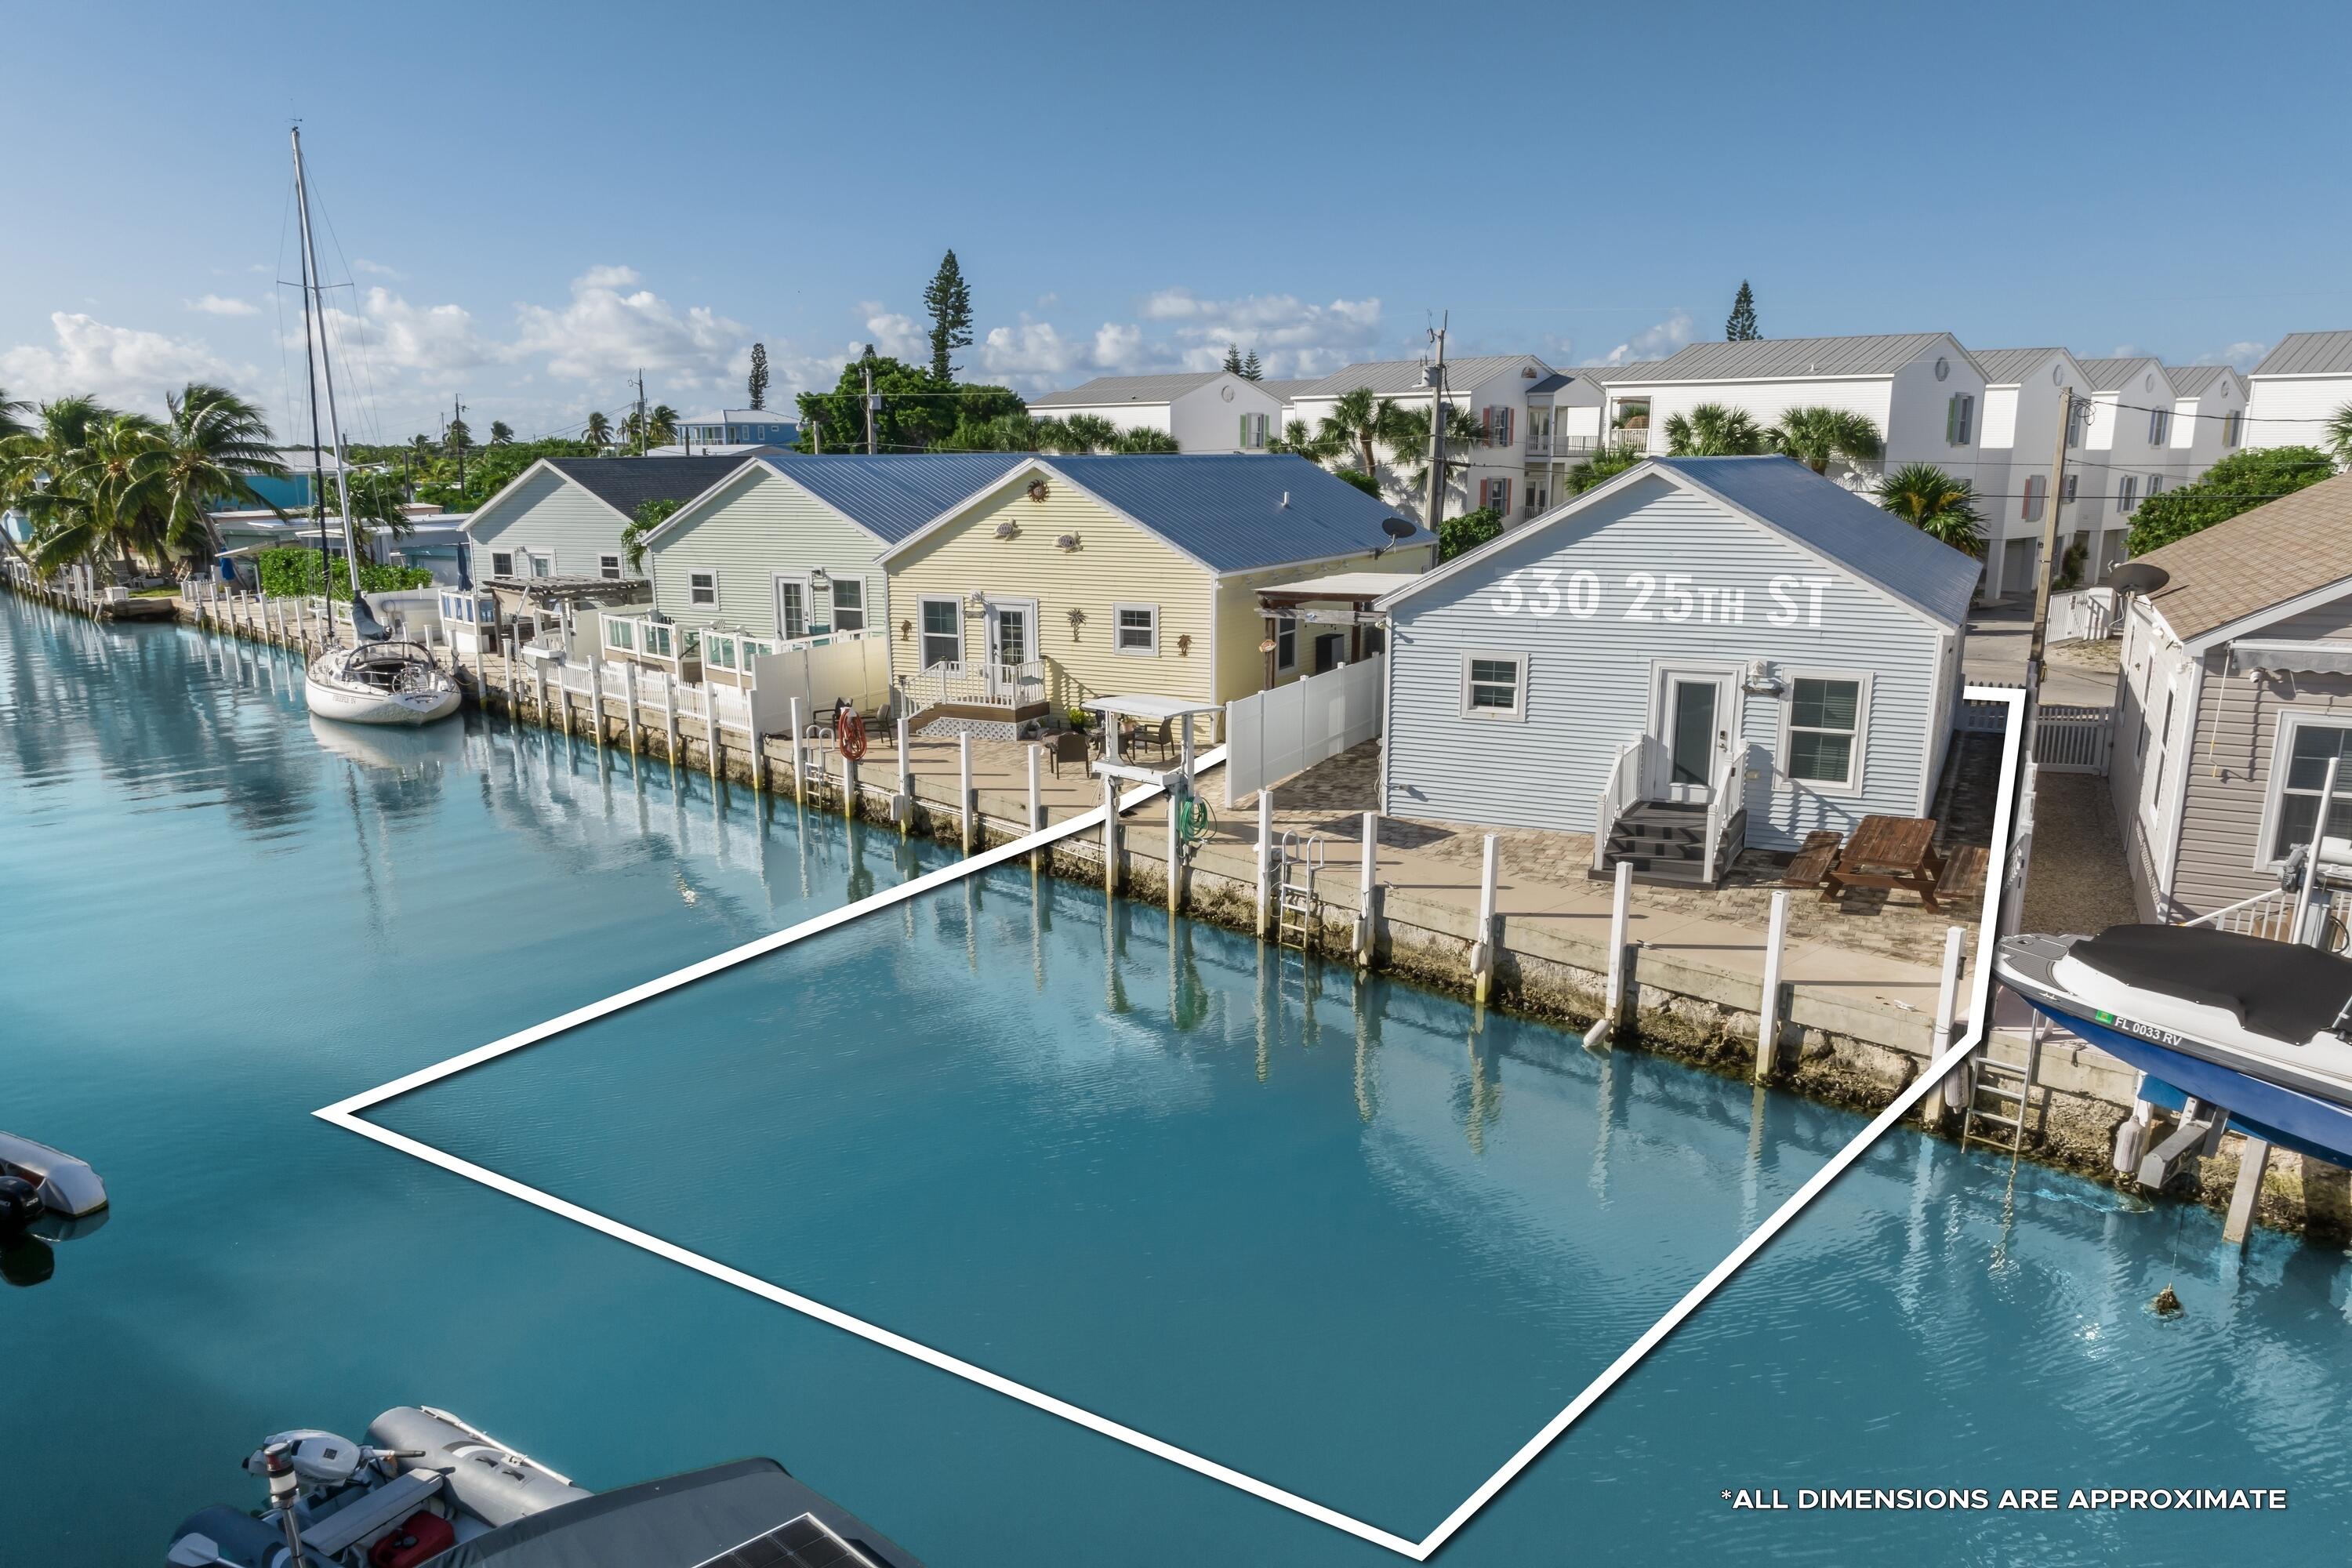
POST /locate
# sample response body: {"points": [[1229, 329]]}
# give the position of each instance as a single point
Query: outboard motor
{"points": [[20, 1204]]}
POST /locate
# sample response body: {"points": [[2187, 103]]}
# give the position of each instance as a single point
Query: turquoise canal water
{"points": [[1336, 1235]]}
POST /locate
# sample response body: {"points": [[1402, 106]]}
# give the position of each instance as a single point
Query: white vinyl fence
{"points": [[2070, 738], [1288, 729], [2086, 615]]}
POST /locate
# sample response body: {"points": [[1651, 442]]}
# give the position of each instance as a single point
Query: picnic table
{"points": [[1890, 852]]}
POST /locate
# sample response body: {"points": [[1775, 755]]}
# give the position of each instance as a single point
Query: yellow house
{"points": [[1075, 578]]}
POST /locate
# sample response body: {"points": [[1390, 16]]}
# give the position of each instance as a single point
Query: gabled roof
{"points": [[1286, 390], [624, 484], [1632, 370], [1784, 359], [1108, 389], [2127, 374], [2196, 380], [2270, 556], [1788, 498], [2009, 367], [1390, 377], [1229, 511], [888, 496], [2309, 354]]}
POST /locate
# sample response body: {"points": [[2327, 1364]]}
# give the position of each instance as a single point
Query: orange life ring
{"points": [[850, 736]]}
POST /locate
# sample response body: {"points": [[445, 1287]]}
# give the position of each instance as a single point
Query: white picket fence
{"points": [[1287, 730], [2072, 738], [2086, 615]]}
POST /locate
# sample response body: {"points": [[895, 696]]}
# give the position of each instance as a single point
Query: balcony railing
{"points": [[985, 684], [1553, 446]]}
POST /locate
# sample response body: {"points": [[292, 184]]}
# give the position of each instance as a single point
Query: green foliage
{"points": [[649, 515], [488, 471], [501, 433], [598, 434], [1713, 430], [949, 300], [2238, 483], [378, 497], [1361, 479], [1251, 370], [458, 437], [918, 412], [1936, 504], [291, 569], [1298, 441], [1233, 365], [1363, 421], [757, 386], [1815, 434], [2070, 567], [2339, 434], [1602, 467], [1460, 535], [1739, 327], [1409, 434], [1143, 440]]}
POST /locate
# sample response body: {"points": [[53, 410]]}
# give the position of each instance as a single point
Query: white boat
{"points": [[382, 682]]}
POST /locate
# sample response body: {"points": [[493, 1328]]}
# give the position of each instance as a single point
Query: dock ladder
{"points": [[1294, 904], [1997, 1093]]}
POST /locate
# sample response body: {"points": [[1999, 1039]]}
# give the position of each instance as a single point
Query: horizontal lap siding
{"points": [[2229, 777], [549, 513], [1242, 626], [761, 526], [1589, 680]]}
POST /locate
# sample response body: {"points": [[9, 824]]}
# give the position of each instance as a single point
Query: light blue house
{"points": [[1702, 655]]}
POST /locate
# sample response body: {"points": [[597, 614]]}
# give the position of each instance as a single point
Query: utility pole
{"points": [[457, 417], [873, 403], [641, 413], [1436, 376], [816, 436], [2052, 502]]}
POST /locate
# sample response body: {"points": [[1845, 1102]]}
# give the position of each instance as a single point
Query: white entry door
{"points": [[792, 605], [1012, 638], [1694, 723]]}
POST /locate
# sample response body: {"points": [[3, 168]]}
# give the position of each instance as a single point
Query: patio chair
{"points": [[1070, 746], [1813, 862], [1163, 739]]}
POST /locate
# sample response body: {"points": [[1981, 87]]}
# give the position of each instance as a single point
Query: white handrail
{"points": [[1623, 787], [1719, 811]]}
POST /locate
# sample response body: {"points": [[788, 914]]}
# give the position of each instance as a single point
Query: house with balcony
{"points": [[2234, 698], [1922, 390], [1063, 580], [1205, 411], [1496, 389], [562, 517], [2127, 457], [2025, 390], [1566, 423], [1699, 656], [2299, 386]]}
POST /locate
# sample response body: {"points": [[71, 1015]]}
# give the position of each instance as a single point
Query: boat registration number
{"points": [[2144, 1031]]}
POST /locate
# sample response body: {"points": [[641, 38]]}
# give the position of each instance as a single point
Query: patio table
{"points": [[1891, 852]]}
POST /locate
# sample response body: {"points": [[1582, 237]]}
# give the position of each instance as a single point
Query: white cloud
{"points": [[894, 335], [613, 326], [377, 268], [222, 305], [1291, 337], [2124, 350], [126, 365], [432, 340], [2245, 355], [1651, 342]]}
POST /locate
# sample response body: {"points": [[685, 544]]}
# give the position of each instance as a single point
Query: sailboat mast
{"points": [[317, 300], [318, 462]]}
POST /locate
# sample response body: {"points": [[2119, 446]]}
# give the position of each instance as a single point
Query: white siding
{"points": [[761, 525], [2294, 410], [1589, 678], [547, 513]]}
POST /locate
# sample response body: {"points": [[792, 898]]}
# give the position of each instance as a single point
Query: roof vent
{"points": [[1285, 500]]}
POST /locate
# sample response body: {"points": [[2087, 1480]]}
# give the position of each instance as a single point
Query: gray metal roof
{"points": [[2309, 354], [1390, 377], [1105, 389], [1228, 510], [1781, 359], [2009, 367], [2121, 374], [1864, 538], [1551, 383], [2194, 380], [1286, 390], [1632, 370], [626, 483], [893, 495]]}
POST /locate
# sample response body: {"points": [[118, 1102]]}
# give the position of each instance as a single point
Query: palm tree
{"points": [[1358, 420], [32, 464], [1713, 430], [12, 425], [1144, 439], [1409, 438], [379, 502], [110, 498], [215, 444], [501, 433], [1936, 504], [1815, 434], [662, 426], [2339, 434], [1298, 441], [599, 433], [1604, 465], [1077, 436]]}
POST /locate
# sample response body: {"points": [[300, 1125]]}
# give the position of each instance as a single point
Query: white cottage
{"points": [[562, 517], [1735, 642]]}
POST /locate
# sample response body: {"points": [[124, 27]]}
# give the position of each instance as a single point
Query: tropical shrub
{"points": [[290, 570]]}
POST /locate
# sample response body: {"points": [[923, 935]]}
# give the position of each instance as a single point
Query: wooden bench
{"points": [[1812, 861]]}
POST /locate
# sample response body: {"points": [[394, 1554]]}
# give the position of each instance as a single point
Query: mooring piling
{"points": [[1767, 1008]]}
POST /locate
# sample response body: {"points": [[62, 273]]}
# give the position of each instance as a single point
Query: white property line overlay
{"points": [[345, 1114]]}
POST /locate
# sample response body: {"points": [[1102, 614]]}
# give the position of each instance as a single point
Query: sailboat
{"points": [[380, 680]]}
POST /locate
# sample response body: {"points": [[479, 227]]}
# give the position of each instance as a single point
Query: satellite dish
{"points": [[2137, 577], [1397, 528]]}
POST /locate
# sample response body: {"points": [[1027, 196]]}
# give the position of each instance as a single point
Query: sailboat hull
{"points": [[348, 707]]}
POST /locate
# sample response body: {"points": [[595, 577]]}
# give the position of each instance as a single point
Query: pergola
{"points": [[1343, 598], [1151, 710]]}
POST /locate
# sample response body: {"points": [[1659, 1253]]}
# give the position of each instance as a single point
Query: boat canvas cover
{"points": [[2276, 988], [682, 1521]]}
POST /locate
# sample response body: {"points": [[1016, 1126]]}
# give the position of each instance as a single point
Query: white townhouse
{"points": [[1495, 388], [1923, 391], [1205, 411], [2208, 414], [1567, 423], [2299, 386], [2025, 390], [2127, 454], [562, 517]]}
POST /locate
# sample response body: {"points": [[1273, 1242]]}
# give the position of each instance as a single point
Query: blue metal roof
{"points": [[892, 496], [1240, 511], [1866, 538]]}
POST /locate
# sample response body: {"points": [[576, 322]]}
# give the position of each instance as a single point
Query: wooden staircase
{"points": [[1664, 841]]}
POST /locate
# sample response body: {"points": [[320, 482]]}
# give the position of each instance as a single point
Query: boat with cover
{"points": [[379, 681], [2260, 1027], [426, 1487]]}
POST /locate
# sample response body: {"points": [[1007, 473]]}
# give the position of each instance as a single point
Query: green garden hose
{"points": [[1194, 820]]}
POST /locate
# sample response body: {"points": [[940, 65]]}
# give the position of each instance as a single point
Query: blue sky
{"points": [[531, 202]]}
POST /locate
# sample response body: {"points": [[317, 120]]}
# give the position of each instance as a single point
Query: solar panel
{"points": [[802, 1542]]}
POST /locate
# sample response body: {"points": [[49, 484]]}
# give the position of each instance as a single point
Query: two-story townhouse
{"points": [[2298, 388], [2208, 416], [1493, 388], [2024, 390], [1204, 411], [2126, 455], [1567, 423]]}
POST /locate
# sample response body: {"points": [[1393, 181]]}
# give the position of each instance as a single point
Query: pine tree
{"points": [[1233, 359], [948, 300], [1251, 370], [758, 384], [1741, 327]]}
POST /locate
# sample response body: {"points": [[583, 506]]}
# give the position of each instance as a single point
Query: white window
{"points": [[1286, 643], [1494, 686], [942, 632], [542, 564], [1255, 429], [2156, 484], [2297, 778], [1822, 731], [718, 651], [702, 588], [618, 634], [849, 604], [1138, 629], [1959, 418], [2128, 492], [1495, 493], [2159, 425], [501, 563], [608, 567]]}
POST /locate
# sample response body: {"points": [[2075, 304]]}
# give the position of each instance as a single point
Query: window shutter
{"points": [[1952, 420], [1244, 434], [1485, 430]]}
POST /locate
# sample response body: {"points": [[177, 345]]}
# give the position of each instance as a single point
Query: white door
{"points": [[1012, 639], [792, 605], [1695, 726]]}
